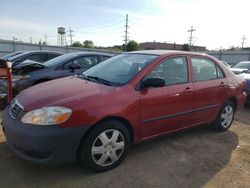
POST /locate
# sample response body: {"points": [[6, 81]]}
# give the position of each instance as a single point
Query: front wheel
{"points": [[225, 117], [105, 146]]}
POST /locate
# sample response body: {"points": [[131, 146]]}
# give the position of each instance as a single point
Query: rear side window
{"points": [[173, 71], [205, 69]]}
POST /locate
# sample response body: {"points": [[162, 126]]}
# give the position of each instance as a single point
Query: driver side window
{"points": [[67, 65], [173, 71]]}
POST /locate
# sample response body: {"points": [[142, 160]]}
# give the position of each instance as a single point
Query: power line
{"points": [[45, 38], [70, 35], [191, 35], [108, 26], [126, 34]]}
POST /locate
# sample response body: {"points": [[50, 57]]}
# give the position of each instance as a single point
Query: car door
{"points": [[211, 89], [170, 107], [84, 62]]}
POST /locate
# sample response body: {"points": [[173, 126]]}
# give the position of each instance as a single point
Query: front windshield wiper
{"points": [[106, 82]]}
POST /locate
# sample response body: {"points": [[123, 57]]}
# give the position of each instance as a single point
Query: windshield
{"points": [[121, 68], [58, 60], [243, 65]]}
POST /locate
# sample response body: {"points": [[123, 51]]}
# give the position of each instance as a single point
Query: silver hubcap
{"points": [[108, 147], [227, 116]]}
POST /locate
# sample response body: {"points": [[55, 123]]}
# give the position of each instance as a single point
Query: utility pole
{"points": [[191, 35], [70, 35], [243, 41], [126, 34], [45, 39], [14, 46], [31, 40]]}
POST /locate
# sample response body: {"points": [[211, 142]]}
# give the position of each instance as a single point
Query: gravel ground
{"points": [[197, 157]]}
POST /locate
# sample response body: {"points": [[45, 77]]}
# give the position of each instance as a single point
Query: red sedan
{"points": [[132, 97]]}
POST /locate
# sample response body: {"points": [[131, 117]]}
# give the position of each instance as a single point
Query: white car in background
{"points": [[241, 67]]}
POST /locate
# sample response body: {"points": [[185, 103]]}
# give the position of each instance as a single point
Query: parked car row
{"points": [[31, 68], [31, 73], [95, 116]]}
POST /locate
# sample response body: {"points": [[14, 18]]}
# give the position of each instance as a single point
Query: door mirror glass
{"points": [[153, 82]]}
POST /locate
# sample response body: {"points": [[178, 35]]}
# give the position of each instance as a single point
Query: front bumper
{"points": [[42, 144]]}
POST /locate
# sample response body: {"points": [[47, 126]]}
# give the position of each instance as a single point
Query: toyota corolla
{"points": [[95, 116]]}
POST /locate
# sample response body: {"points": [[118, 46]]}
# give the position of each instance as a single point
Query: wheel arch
{"points": [[234, 101], [124, 121]]}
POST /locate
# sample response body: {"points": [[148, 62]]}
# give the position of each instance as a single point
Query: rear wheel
{"points": [[105, 146], [225, 117]]}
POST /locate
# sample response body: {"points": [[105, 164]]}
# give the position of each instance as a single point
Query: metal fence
{"points": [[13, 46], [231, 57]]}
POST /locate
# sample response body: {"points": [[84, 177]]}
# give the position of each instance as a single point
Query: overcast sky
{"points": [[218, 23]]}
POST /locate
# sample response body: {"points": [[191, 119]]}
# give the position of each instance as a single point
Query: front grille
{"points": [[15, 109]]}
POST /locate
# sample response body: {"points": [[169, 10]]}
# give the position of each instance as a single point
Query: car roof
{"points": [[31, 52], [166, 52], [41, 51], [90, 53]]}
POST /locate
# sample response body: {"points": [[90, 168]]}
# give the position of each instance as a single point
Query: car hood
{"points": [[61, 92], [238, 70], [27, 67]]}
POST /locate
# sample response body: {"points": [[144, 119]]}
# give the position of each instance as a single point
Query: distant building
{"points": [[169, 46]]}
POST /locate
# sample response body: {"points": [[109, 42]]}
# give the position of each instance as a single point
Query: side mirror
{"points": [[74, 66], [153, 82]]}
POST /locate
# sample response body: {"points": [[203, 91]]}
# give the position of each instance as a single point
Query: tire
{"points": [[105, 146], [225, 117]]}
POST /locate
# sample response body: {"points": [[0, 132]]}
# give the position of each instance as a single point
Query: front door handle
{"points": [[223, 84], [188, 90]]}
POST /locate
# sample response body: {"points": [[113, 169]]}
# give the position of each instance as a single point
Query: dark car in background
{"points": [[37, 56], [9, 55], [241, 67], [27, 74]]}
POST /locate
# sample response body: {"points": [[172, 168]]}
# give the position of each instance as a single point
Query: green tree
{"points": [[77, 44], [132, 46], [88, 44]]}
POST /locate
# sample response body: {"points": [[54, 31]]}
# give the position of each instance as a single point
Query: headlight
{"points": [[47, 116]]}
